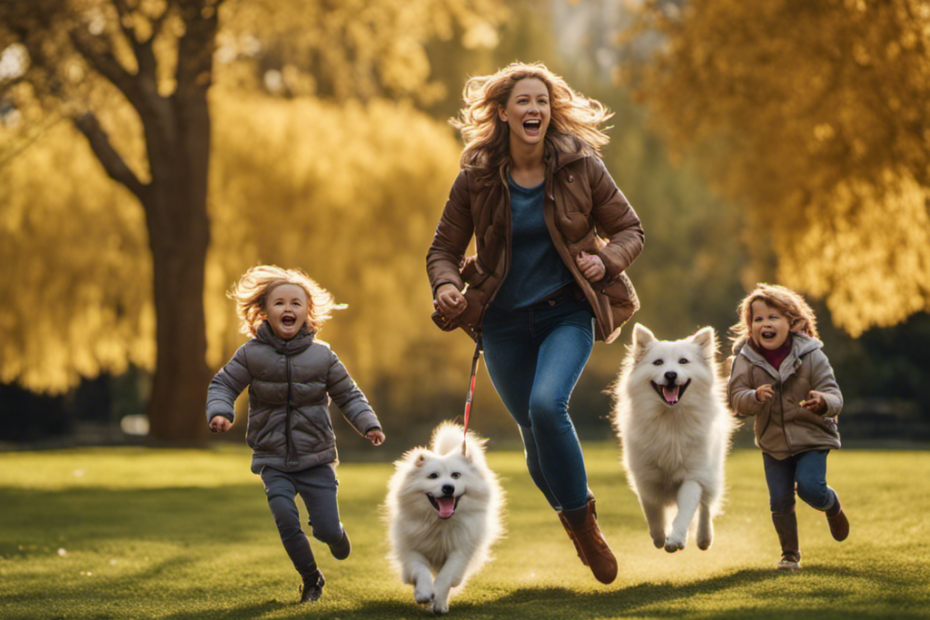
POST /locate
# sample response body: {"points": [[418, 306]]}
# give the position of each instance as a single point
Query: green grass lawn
{"points": [[142, 534]]}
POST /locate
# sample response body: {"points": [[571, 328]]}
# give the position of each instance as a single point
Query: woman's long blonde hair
{"points": [[801, 318], [574, 123], [252, 290]]}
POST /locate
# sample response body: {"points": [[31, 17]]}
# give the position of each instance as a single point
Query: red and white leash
{"points": [[471, 390]]}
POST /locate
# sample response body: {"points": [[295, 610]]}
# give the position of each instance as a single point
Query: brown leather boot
{"points": [[787, 528], [581, 525], [568, 530], [839, 524], [571, 536]]}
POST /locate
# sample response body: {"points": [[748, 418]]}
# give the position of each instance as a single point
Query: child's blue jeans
{"points": [[807, 470], [535, 356]]}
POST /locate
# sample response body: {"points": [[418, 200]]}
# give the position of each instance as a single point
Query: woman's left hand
{"points": [[591, 266]]}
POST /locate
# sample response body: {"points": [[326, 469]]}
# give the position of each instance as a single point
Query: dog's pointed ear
{"points": [[642, 336], [421, 458], [706, 338]]}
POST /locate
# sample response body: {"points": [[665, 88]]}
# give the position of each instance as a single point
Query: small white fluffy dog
{"points": [[444, 513], [673, 424]]}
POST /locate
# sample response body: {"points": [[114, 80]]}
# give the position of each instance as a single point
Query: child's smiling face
{"points": [[769, 327], [286, 309]]}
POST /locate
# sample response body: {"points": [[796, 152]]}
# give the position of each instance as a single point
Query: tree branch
{"points": [[143, 50], [108, 66], [195, 47], [111, 160]]}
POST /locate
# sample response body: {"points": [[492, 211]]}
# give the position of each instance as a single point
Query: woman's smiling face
{"points": [[769, 327], [527, 112]]}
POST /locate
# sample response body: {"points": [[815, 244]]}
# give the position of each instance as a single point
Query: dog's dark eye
{"points": [[683, 361], [456, 475], [433, 476], [658, 362]]}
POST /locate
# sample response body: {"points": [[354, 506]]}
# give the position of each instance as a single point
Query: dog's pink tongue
{"points": [[670, 393], [446, 506]]}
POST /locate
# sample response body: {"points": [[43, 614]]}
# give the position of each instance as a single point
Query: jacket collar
{"points": [[801, 345], [559, 151], [295, 345]]}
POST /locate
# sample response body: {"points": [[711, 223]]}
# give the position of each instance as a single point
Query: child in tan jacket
{"points": [[781, 377]]}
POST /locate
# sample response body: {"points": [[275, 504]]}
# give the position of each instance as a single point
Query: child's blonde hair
{"points": [[251, 295], [800, 316]]}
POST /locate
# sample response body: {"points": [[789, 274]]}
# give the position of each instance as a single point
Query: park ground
{"points": [[136, 533]]}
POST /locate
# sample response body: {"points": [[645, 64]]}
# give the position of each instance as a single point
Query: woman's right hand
{"points": [[450, 301]]}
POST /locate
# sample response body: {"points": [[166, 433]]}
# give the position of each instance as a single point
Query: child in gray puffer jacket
{"points": [[291, 378]]}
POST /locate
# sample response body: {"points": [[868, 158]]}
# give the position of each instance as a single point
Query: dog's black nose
{"points": [[670, 376], [448, 489]]}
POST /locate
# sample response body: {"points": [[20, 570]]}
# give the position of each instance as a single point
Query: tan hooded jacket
{"points": [[782, 426]]}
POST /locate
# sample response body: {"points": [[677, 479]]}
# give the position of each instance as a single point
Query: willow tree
{"points": [[814, 115], [134, 77]]}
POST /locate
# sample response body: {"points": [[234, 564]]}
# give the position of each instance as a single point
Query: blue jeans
{"points": [[807, 470], [534, 357]]}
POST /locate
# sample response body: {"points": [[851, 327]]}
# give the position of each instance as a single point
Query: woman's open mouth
{"points": [[532, 126]]}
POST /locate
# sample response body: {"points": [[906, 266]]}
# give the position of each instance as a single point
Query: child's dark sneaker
{"points": [[839, 524], [341, 549], [789, 561], [312, 587]]}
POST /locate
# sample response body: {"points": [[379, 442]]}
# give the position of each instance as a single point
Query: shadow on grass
{"points": [[253, 610], [655, 600]]}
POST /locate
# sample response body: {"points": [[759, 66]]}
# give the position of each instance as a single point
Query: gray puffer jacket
{"points": [[290, 383], [782, 426]]}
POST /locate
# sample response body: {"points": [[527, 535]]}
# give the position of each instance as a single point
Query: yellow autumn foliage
{"points": [[847, 258], [76, 271], [350, 193], [813, 115]]}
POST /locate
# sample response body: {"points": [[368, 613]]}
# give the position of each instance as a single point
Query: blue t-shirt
{"points": [[536, 269]]}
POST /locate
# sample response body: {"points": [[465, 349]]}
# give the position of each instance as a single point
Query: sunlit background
{"points": [[152, 150]]}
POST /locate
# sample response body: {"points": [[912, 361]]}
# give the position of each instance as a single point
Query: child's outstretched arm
{"points": [[825, 397], [742, 395], [223, 391], [350, 399]]}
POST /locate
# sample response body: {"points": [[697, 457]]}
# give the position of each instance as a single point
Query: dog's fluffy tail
{"points": [[448, 436]]}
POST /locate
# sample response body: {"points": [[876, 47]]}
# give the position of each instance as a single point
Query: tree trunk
{"points": [[177, 132], [179, 386]]}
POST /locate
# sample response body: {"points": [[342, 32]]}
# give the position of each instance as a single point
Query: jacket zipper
{"points": [[287, 414], [781, 410]]}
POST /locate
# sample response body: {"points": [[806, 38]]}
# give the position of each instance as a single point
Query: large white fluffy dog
{"points": [[674, 427], [444, 513]]}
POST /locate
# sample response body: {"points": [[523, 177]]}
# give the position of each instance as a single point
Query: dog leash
{"points": [[471, 389]]}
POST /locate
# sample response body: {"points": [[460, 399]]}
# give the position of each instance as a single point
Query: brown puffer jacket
{"points": [[782, 426], [584, 211]]}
